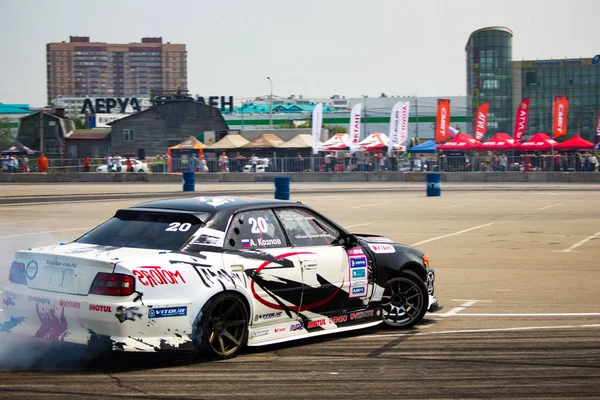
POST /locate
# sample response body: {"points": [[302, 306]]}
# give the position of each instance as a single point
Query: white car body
{"points": [[248, 168], [138, 166], [54, 300]]}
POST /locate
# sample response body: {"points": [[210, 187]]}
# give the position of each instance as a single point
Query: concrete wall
{"points": [[525, 177]]}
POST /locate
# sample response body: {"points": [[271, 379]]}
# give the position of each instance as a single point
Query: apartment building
{"points": [[81, 68]]}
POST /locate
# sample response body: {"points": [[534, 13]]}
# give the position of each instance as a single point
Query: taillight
{"points": [[112, 284], [17, 273]]}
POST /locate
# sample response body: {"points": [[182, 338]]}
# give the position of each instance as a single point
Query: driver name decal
{"points": [[155, 276]]}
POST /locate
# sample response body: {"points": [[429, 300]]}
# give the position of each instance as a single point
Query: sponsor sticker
{"points": [[268, 315], [296, 327], [359, 273], [362, 314], [9, 301], [59, 264], [255, 334], [100, 308], [39, 300], [382, 248], [358, 291], [358, 262], [167, 312], [32, 269], [316, 323], [355, 251], [156, 276], [278, 330], [69, 304]]}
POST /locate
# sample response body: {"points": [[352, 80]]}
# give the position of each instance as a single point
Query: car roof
{"points": [[212, 205]]}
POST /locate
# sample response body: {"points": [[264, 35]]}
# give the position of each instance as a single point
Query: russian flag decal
{"points": [[245, 242]]}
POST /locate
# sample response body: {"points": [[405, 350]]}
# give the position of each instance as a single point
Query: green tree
{"points": [[6, 136], [337, 128]]}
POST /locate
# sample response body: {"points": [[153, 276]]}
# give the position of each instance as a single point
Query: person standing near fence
{"points": [[25, 164], [87, 164], [129, 165], [502, 162], [42, 163], [253, 162], [117, 161]]}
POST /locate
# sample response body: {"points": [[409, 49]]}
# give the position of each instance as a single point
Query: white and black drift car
{"points": [[211, 275]]}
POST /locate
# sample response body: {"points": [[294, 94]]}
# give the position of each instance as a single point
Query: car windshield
{"points": [[145, 230]]}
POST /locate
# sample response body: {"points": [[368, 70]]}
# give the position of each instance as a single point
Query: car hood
{"points": [[384, 245]]}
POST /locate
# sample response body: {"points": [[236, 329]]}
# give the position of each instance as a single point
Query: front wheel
{"points": [[222, 329], [404, 301]]}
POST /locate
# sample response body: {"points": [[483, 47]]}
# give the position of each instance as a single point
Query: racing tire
{"points": [[405, 300], [222, 327]]}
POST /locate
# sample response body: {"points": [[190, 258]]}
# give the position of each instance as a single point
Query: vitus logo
{"points": [[167, 312]]}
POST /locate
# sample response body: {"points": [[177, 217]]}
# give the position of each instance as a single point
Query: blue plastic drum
{"points": [[282, 188], [434, 185], [189, 181]]}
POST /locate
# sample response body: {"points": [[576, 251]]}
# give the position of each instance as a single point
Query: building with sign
{"points": [[152, 131], [81, 68], [492, 76]]}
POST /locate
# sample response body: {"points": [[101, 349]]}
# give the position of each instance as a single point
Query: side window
{"points": [[257, 229], [305, 229]]}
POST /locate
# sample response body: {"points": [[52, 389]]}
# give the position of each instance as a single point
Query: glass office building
{"points": [[489, 76], [493, 77], [542, 80]]}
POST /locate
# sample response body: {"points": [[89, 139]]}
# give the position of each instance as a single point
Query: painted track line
{"points": [[452, 234], [576, 245], [492, 330], [455, 206], [551, 205], [42, 233], [370, 205]]}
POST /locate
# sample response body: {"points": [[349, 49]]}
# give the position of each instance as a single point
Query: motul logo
{"points": [[97, 307], [443, 122], [560, 117]]}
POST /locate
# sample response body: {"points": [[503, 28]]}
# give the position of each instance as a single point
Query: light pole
{"points": [[270, 103]]}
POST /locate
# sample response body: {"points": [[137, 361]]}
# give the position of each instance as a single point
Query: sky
{"points": [[314, 48]]}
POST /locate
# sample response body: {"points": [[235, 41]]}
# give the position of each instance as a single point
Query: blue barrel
{"points": [[282, 188], [189, 181], [434, 185]]}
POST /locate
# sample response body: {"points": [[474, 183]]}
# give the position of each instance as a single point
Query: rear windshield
{"points": [[145, 230]]}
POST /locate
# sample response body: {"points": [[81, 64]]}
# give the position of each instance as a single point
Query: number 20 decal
{"points": [[259, 225], [178, 226]]}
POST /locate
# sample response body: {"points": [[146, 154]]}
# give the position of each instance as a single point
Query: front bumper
{"points": [[433, 303], [104, 322]]}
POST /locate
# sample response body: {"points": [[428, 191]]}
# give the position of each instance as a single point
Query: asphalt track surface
{"points": [[517, 274]]}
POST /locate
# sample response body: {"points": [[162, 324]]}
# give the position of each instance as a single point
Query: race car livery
{"points": [[211, 275]]}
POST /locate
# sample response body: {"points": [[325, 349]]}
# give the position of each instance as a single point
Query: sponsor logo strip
{"points": [[155, 276]]}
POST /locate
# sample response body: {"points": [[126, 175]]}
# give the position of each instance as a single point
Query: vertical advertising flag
{"points": [[521, 120], [559, 115], [317, 121], [354, 129], [481, 120], [442, 122], [398, 132], [597, 131]]}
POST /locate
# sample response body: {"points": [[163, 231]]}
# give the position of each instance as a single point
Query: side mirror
{"points": [[350, 240]]}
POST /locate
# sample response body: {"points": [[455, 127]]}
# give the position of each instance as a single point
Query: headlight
{"points": [[425, 260]]}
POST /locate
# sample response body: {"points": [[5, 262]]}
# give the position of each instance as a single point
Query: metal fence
{"points": [[586, 162]]}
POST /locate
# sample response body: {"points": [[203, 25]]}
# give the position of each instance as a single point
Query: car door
{"points": [[255, 244], [335, 278]]}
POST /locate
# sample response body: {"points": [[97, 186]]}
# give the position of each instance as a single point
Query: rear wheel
{"points": [[223, 327], [404, 300]]}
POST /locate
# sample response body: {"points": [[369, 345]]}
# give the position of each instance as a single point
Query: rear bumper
{"points": [[102, 322]]}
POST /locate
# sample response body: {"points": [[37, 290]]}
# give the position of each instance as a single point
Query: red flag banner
{"points": [[521, 119], [481, 120], [559, 115], [442, 122], [598, 129]]}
